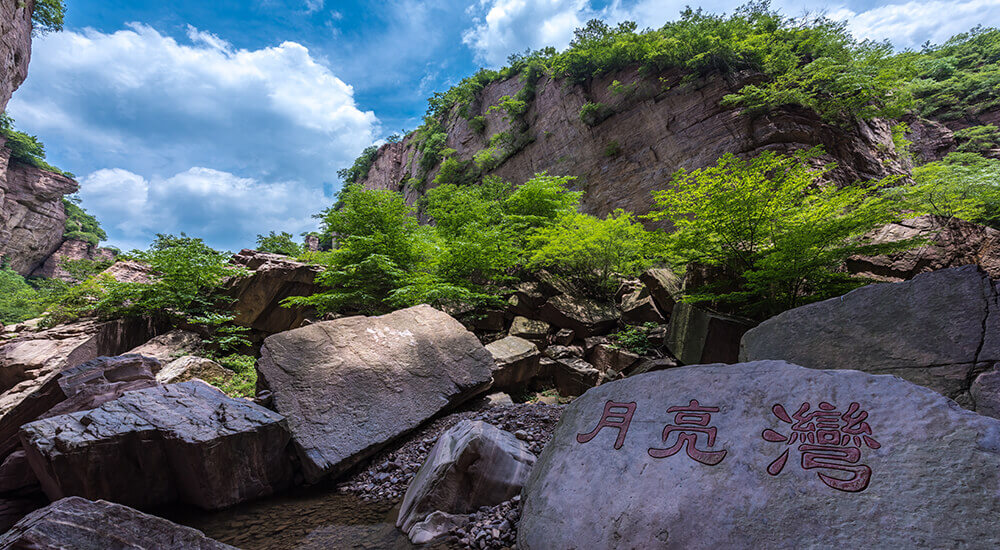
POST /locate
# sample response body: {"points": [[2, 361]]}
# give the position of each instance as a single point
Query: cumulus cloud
{"points": [[140, 110], [910, 24], [203, 202]]}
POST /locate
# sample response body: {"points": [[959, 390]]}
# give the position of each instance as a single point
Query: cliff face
{"points": [[15, 45], [658, 126], [32, 217]]}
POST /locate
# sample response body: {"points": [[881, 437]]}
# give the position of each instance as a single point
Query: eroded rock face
{"points": [[938, 330], [187, 442], [698, 336], [516, 361], [71, 250], [350, 386], [169, 346], [664, 126], [953, 243], [15, 46], [584, 316], [274, 277], [472, 464], [727, 475], [190, 367], [32, 216], [82, 524]]}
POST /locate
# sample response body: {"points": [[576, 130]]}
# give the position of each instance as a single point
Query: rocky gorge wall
{"points": [[15, 45], [659, 124]]}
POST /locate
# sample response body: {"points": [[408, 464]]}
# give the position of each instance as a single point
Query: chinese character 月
{"points": [[689, 422], [827, 440], [617, 416]]}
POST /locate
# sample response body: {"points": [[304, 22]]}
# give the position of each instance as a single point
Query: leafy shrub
{"points": [[458, 172], [770, 225], [978, 139], [26, 148], [80, 225], [279, 243], [48, 16], [593, 114], [633, 338], [612, 149], [359, 170], [963, 185], [590, 251], [513, 108], [959, 79], [244, 382], [478, 124], [899, 141], [18, 300]]}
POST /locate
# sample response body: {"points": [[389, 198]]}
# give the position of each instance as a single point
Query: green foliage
{"points": [[83, 269], [899, 141], [359, 170], [25, 148], [80, 225], [633, 338], [19, 301], [612, 149], [185, 273], [458, 172], [279, 243], [48, 16], [513, 108], [593, 114], [589, 251], [478, 124], [770, 224], [959, 79], [963, 185], [244, 382], [978, 139], [225, 336]]}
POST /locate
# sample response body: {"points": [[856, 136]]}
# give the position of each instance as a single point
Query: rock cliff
{"points": [[657, 125], [15, 45]]}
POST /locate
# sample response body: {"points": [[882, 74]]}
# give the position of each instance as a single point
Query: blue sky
{"points": [[225, 119]]}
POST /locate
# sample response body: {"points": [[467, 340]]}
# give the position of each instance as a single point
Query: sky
{"points": [[226, 119]]}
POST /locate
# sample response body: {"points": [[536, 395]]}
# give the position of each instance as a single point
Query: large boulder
{"points": [[951, 243], [473, 464], [352, 385], [530, 329], [272, 278], [698, 336], [764, 455], [516, 361], [71, 250], [938, 330], [638, 307], [663, 287], [582, 315], [82, 524], [78, 388], [150, 447], [190, 367], [171, 345]]}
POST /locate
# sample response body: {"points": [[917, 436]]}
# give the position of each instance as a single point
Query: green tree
{"points": [[773, 227], [279, 243], [591, 252], [80, 224], [48, 16], [18, 300], [24, 147], [962, 185]]}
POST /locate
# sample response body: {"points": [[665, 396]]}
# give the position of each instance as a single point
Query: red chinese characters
{"points": [[689, 422], [828, 440], [617, 416]]}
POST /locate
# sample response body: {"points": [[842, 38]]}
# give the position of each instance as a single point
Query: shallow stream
{"points": [[312, 518]]}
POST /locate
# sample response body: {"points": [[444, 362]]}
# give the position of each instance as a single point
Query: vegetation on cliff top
{"points": [[48, 16]]}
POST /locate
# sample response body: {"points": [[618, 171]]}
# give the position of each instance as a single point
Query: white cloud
{"points": [[510, 26], [910, 24], [313, 6], [203, 202], [139, 104]]}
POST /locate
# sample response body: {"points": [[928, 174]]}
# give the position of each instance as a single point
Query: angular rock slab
{"points": [[472, 464], [150, 447], [937, 330], [516, 361], [933, 483], [82, 524], [350, 386]]}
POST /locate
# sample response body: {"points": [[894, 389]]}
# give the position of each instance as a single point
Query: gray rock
{"points": [[574, 376], [167, 347], [516, 361], [436, 526], [985, 393], [938, 330], [150, 447], [15, 473], [729, 476], [529, 329], [582, 315], [272, 278], [663, 287], [189, 367], [648, 364], [606, 357], [638, 307], [473, 464], [698, 336], [350, 386], [564, 337], [81, 524]]}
